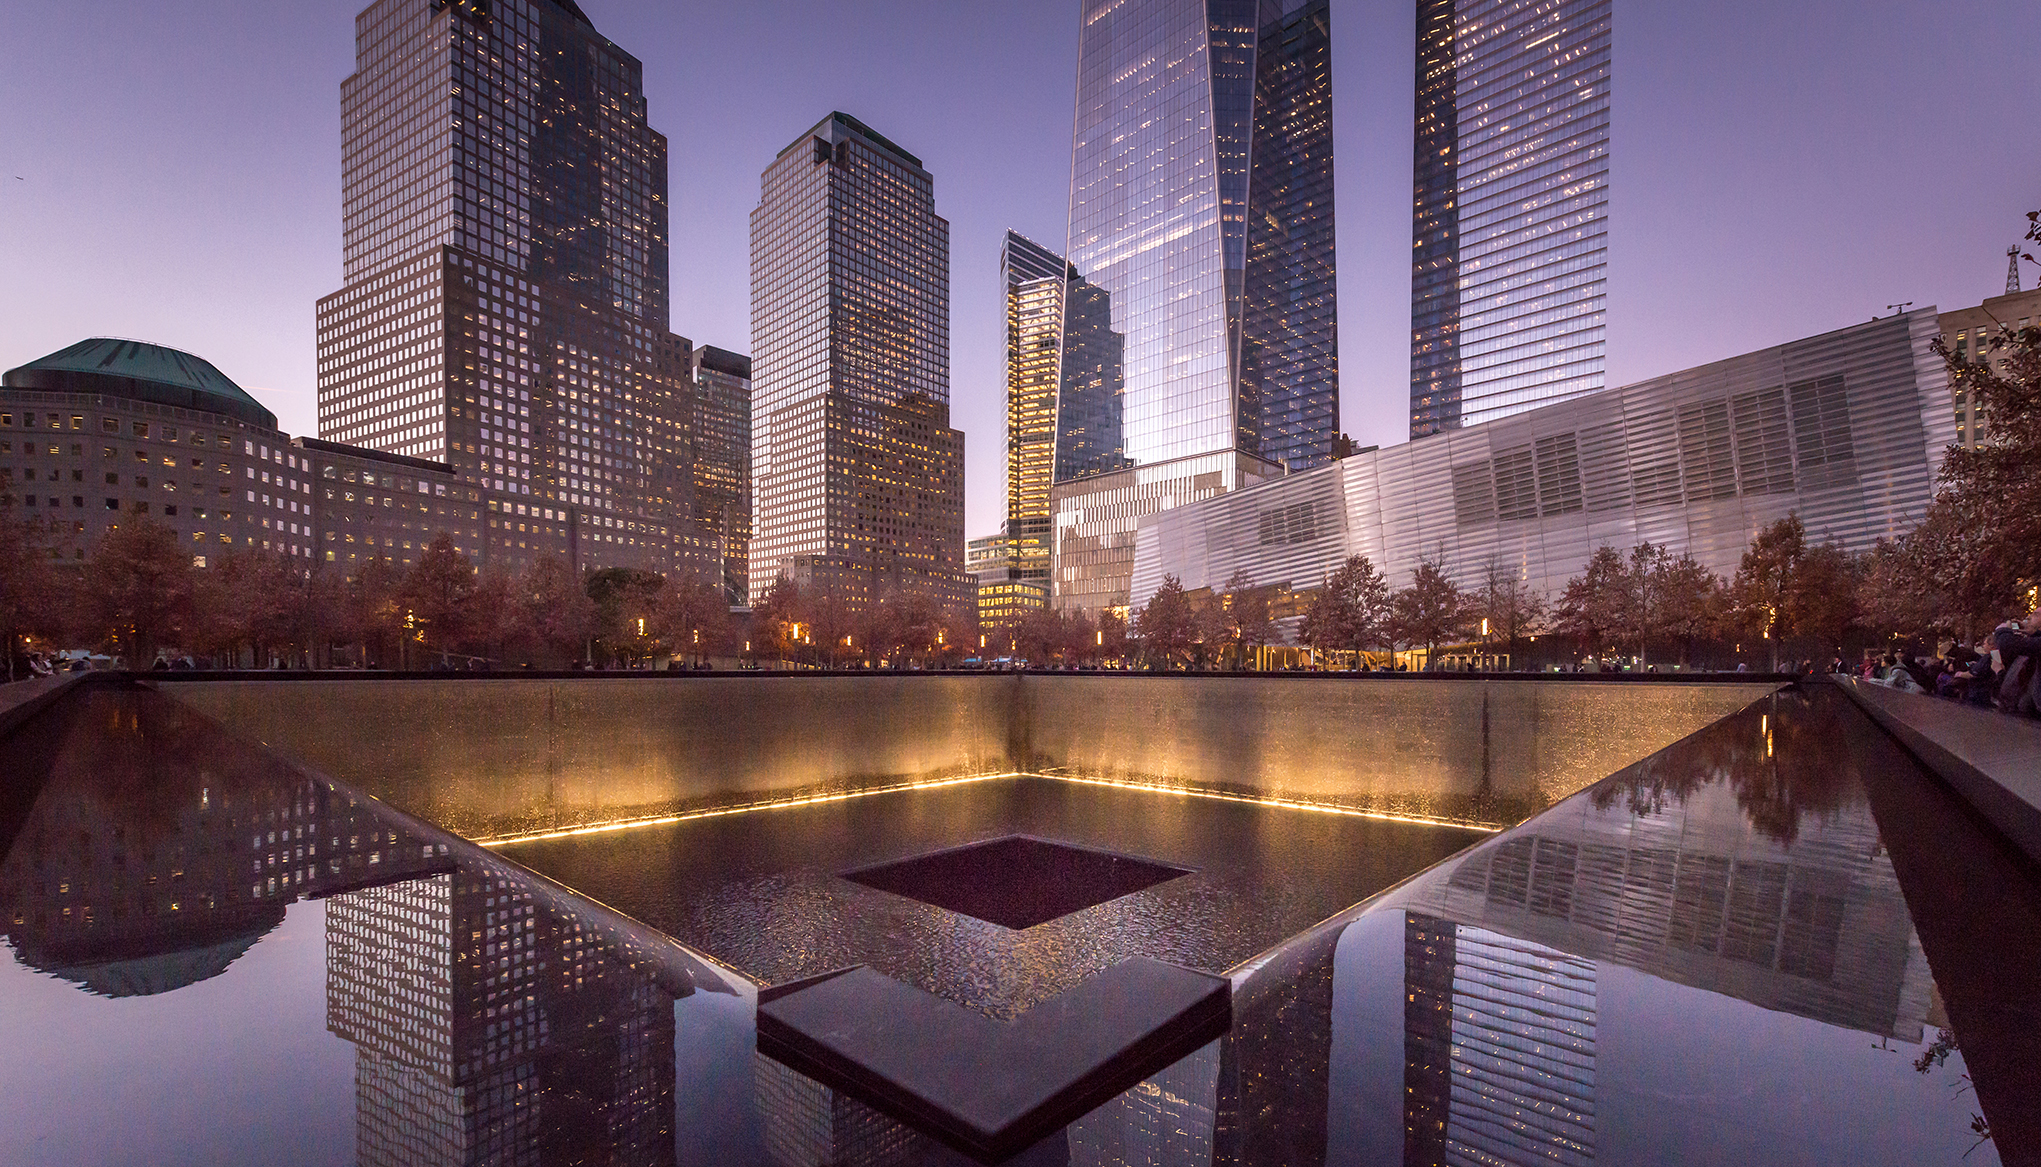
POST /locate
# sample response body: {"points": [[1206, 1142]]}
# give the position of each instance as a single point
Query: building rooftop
{"points": [[140, 371]]}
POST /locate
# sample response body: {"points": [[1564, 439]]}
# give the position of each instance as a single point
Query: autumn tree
{"points": [[374, 617], [1250, 623], [1110, 638], [1763, 589], [1687, 601], [1513, 609], [1897, 594], [1167, 625], [774, 618], [436, 595], [1597, 605], [918, 630], [550, 609], [1351, 613], [29, 592], [491, 620], [1432, 610], [624, 601], [689, 617], [136, 594], [253, 600], [1042, 636], [1824, 593], [1976, 544]]}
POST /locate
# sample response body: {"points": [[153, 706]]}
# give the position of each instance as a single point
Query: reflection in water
{"points": [[1724, 864], [1276, 1062], [1681, 963], [1167, 1120], [489, 1029], [151, 859], [493, 1021], [1743, 861], [807, 1124], [1499, 1048]]}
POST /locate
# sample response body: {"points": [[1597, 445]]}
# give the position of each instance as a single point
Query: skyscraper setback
{"points": [[505, 258], [1205, 355], [1509, 242], [859, 477]]}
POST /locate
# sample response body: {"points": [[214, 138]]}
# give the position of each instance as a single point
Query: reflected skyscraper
{"points": [[1509, 240], [153, 857], [1201, 212], [490, 1029], [1499, 1049]]}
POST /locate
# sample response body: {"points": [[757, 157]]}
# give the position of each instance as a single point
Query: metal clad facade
{"points": [[1845, 429]]}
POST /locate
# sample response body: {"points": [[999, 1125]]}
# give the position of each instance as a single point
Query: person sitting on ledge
{"points": [[2019, 651]]}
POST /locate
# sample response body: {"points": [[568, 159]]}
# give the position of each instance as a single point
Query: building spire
{"points": [[2012, 270]]}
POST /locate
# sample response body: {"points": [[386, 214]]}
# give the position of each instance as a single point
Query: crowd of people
{"points": [[2002, 670]]}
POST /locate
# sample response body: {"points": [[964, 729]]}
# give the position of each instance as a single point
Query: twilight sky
{"points": [[1780, 168]]}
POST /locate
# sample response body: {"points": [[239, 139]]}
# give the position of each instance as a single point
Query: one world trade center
{"points": [[1201, 245]]}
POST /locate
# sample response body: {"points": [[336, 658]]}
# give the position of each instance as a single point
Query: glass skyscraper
{"points": [[859, 479], [505, 256], [1036, 282], [1201, 350], [1509, 242]]}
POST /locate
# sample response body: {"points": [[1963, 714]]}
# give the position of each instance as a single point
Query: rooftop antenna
{"points": [[1896, 309], [2013, 270]]}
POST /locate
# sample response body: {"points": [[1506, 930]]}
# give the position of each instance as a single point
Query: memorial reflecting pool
{"points": [[1775, 941]]}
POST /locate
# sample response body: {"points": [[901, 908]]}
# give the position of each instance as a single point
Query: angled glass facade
{"points": [[1289, 376], [1201, 321], [1509, 238]]}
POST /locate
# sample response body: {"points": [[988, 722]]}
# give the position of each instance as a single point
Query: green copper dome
{"points": [[147, 372]]}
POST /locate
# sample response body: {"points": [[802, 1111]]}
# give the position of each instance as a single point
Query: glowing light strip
{"points": [[932, 784], [1284, 803], [740, 808]]}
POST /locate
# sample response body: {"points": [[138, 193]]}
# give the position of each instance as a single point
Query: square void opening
{"points": [[1016, 882]]}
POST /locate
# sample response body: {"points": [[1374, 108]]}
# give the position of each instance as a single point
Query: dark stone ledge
{"points": [[987, 1087], [1993, 760]]}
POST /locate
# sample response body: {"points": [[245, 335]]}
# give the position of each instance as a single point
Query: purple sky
{"points": [[1780, 168]]}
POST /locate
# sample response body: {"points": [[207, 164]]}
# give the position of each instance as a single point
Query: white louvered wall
{"points": [[1847, 429]]}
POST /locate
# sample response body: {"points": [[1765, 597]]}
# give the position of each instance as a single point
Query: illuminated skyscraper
{"points": [[1036, 282], [1509, 243], [504, 230], [859, 479], [1499, 1049], [1201, 227]]}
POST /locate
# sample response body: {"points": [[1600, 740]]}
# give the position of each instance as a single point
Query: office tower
{"points": [[1509, 241], [489, 1025], [1968, 333], [1499, 1049], [1035, 281], [859, 479], [1203, 353], [504, 250], [722, 383]]}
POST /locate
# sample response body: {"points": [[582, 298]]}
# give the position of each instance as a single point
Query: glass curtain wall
{"points": [[1509, 239]]}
